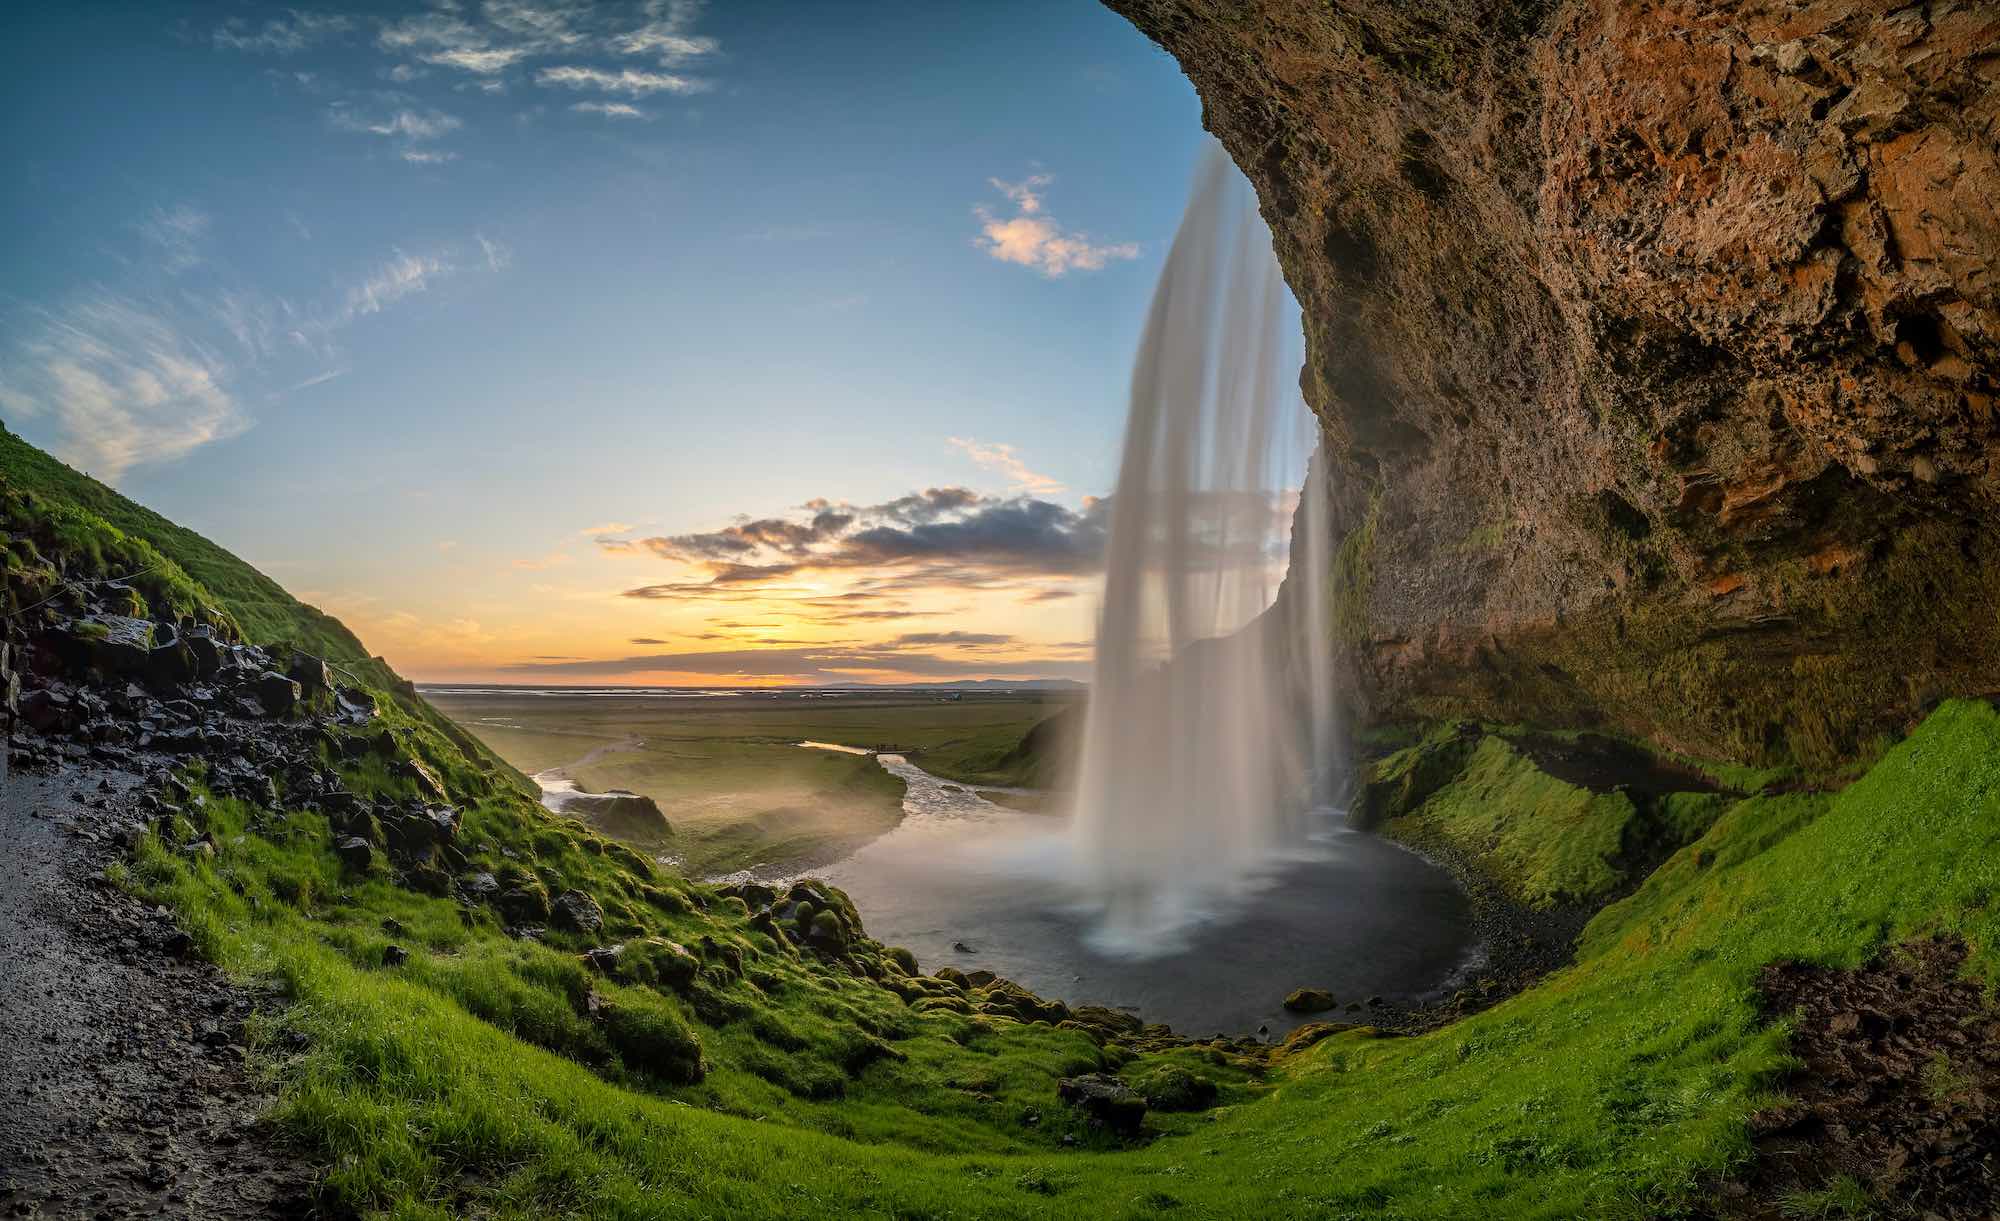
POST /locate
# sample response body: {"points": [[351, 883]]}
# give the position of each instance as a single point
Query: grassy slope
{"points": [[1610, 1090], [1545, 840], [467, 1080], [97, 533]]}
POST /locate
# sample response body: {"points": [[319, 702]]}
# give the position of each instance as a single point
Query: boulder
{"points": [[47, 711], [118, 644], [394, 956], [1105, 1099], [826, 933], [1111, 1021], [355, 853], [278, 694], [524, 904], [1170, 1087], [204, 651], [576, 912], [620, 814], [1310, 1000], [311, 674]]}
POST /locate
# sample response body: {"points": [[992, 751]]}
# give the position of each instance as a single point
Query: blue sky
{"points": [[408, 304]]}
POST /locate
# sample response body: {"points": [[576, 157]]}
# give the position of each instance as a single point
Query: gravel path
{"points": [[121, 1057]]}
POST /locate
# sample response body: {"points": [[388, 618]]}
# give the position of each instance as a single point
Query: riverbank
{"points": [[724, 767]]}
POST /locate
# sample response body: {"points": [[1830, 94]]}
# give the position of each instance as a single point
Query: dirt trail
{"points": [[121, 1058]]}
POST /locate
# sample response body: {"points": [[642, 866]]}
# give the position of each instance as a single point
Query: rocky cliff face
{"points": [[1656, 346]]}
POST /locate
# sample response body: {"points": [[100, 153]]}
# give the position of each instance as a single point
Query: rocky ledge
{"points": [[1656, 346]]}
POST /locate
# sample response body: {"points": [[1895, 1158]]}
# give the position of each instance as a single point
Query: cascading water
{"points": [[1211, 704]]}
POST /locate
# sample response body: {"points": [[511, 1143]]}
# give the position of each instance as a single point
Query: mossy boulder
{"points": [[1105, 1099], [652, 1038], [1310, 1000], [1169, 1087]]}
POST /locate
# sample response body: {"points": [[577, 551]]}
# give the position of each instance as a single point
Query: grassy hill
{"points": [[717, 1067]]}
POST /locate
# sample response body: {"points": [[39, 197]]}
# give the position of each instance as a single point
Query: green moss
{"points": [[1546, 841], [1351, 578]]}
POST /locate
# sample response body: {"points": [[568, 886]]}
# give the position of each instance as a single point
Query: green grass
{"points": [[1544, 840], [265, 612], [1614, 1089], [499, 1078]]}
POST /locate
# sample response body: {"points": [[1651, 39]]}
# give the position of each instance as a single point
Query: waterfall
{"points": [[1211, 703]]}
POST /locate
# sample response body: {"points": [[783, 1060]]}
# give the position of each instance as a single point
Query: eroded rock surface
{"points": [[1656, 346]]}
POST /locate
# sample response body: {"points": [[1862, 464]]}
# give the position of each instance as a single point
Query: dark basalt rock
{"points": [[355, 853], [524, 905], [311, 674], [576, 912], [278, 695]]}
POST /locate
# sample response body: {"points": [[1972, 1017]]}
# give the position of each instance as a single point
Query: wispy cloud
{"points": [[405, 123], [484, 61], [317, 379], [280, 35], [176, 234], [400, 276], [666, 33], [628, 81], [421, 156], [1034, 239], [995, 456], [604, 528], [555, 559], [123, 383], [610, 110]]}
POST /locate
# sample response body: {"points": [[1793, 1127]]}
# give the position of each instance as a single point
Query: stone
{"points": [[826, 933], [118, 644], [621, 814], [576, 912], [277, 694], [959, 947], [394, 956], [355, 853], [1105, 1099], [1310, 1000], [526, 905], [48, 711], [311, 674]]}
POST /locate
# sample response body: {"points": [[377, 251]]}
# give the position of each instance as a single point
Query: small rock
{"points": [[394, 956], [962, 948]]}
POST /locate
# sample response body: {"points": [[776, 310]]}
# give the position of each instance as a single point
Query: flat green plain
{"points": [[728, 771]]}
